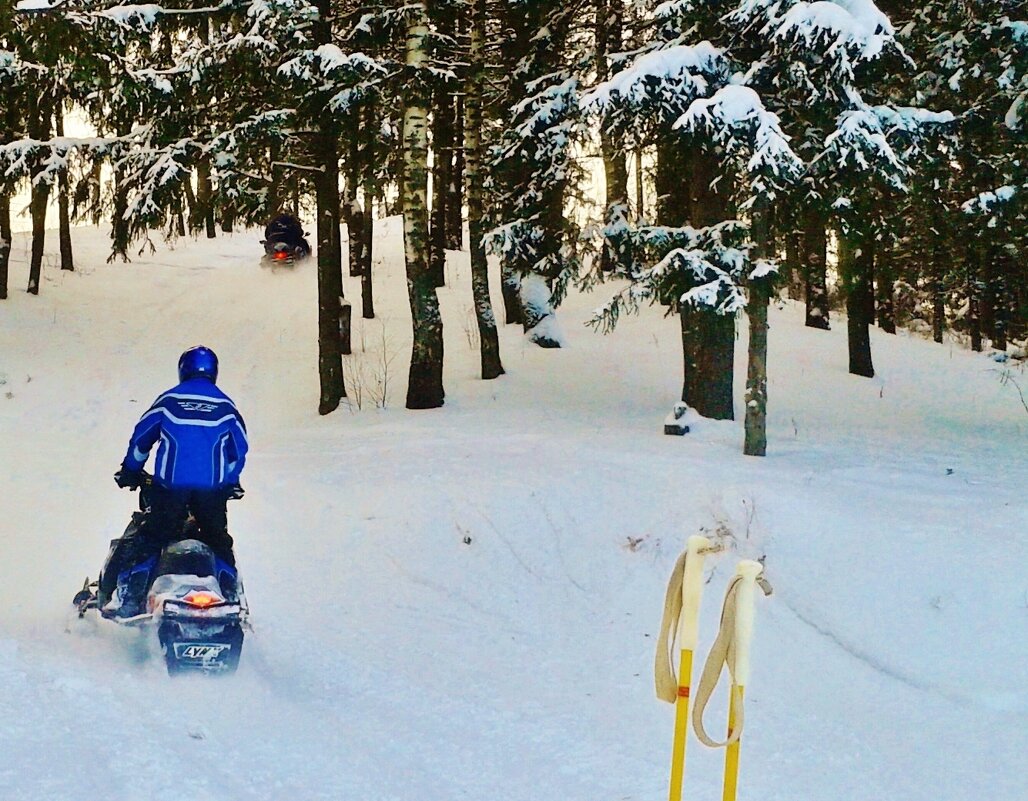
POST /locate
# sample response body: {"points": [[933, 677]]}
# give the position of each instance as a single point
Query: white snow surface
{"points": [[463, 603]]}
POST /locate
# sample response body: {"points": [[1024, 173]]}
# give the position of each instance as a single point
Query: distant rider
{"points": [[201, 453], [284, 227]]}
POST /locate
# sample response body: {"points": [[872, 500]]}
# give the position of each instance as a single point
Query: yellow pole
{"points": [[748, 571], [688, 632], [732, 752]]}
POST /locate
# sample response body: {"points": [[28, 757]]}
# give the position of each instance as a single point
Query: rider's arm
{"points": [[146, 433], [238, 445]]}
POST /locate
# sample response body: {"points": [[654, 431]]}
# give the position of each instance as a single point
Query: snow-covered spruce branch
{"points": [[735, 117], [678, 73], [44, 160], [705, 267], [995, 202]]}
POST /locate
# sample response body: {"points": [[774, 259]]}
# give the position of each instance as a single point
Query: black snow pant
{"points": [[162, 524]]}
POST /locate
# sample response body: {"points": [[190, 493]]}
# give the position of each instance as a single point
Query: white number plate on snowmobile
{"points": [[200, 651]]}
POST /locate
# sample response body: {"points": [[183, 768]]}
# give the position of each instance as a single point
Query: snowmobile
{"points": [[283, 253], [190, 597], [285, 240]]}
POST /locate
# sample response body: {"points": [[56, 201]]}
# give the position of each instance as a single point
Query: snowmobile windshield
{"points": [[186, 558]]}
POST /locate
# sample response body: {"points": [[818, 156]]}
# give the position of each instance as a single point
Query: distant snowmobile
{"points": [[284, 240], [193, 599]]}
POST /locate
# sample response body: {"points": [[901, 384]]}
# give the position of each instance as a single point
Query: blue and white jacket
{"points": [[202, 438]]}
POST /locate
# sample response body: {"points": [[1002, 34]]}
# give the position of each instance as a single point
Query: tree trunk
{"points": [[204, 209], [330, 277], [1003, 313], [353, 213], [510, 288], [367, 288], [488, 336], [5, 241], [885, 286], [755, 421], [682, 181], [425, 384], [455, 193], [64, 221], [707, 362], [345, 346], [37, 208], [442, 170], [815, 268], [330, 261], [937, 272], [856, 267], [615, 253], [38, 128], [96, 192], [995, 317], [756, 372], [640, 206], [974, 293], [794, 265], [714, 334]]}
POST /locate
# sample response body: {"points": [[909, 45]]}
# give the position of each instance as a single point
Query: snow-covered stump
{"points": [[540, 321], [675, 423]]}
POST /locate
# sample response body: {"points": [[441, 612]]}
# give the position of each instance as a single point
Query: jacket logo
{"points": [[193, 406]]}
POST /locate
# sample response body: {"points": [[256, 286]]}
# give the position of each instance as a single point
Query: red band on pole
{"points": [[683, 692]]}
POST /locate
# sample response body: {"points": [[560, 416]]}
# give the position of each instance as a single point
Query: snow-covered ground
{"points": [[463, 603]]}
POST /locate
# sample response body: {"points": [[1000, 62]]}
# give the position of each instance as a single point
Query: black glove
{"points": [[233, 492], [128, 479]]}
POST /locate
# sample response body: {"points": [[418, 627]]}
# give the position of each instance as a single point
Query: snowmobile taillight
{"points": [[201, 599], [281, 255]]}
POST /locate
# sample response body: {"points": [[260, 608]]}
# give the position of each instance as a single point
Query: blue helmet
{"points": [[198, 362]]}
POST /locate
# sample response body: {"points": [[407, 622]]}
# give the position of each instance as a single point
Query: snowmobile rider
{"points": [[284, 227], [202, 451]]}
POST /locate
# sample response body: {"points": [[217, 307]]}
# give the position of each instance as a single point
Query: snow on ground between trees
{"points": [[463, 603]]}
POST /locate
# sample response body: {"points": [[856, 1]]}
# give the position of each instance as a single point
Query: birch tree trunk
{"points": [[425, 384], [488, 337]]}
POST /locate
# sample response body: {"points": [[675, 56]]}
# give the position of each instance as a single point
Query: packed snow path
{"points": [[461, 604]]}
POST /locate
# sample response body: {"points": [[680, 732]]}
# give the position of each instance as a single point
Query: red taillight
{"points": [[201, 599], [281, 255]]}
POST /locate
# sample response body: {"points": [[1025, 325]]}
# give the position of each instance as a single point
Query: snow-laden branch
{"points": [[736, 117], [859, 141], [993, 201], [680, 71], [857, 27]]}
